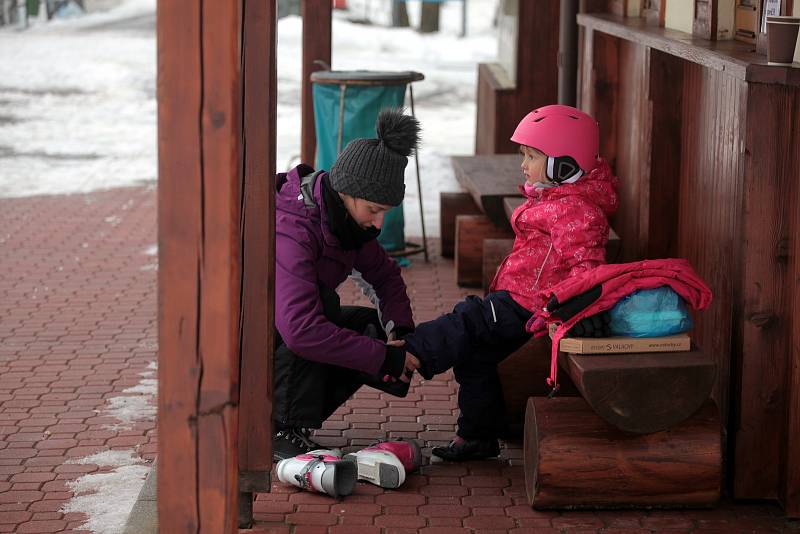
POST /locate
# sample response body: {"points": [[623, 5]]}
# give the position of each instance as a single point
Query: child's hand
{"points": [[412, 363]]}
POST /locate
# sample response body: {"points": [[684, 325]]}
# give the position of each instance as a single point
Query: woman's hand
{"points": [[411, 365]]}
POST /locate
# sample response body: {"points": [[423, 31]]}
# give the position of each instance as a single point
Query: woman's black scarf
{"points": [[349, 233]]}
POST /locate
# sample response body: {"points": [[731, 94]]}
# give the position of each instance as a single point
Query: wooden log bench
{"points": [[574, 459], [486, 180], [523, 375], [642, 393]]}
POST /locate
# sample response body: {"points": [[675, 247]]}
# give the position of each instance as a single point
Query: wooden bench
{"points": [[489, 180], [486, 181], [574, 459], [642, 393]]}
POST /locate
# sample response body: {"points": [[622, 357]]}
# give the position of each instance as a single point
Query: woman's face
{"points": [[534, 165], [367, 214]]}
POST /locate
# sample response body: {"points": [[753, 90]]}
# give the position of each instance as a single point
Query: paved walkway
{"points": [[77, 339], [77, 327]]}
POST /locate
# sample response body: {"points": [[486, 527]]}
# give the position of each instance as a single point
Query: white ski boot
{"points": [[386, 463], [322, 471]]}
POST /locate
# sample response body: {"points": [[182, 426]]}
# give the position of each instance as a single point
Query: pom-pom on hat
{"points": [[374, 169]]}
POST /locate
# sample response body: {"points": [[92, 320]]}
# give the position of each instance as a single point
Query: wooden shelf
{"points": [[735, 58]]}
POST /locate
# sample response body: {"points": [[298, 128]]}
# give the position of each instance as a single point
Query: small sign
{"points": [[771, 8]]}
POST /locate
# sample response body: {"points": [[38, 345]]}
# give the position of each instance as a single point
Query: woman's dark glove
{"points": [[394, 363]]}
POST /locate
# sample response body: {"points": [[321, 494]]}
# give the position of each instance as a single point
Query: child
{"points": [[561, 230]]}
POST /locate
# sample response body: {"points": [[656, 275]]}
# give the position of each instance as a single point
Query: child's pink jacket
{"points": [[560, 232]]}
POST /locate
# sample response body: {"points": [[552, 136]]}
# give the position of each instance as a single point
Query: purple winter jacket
{"points": [[308, 255]]}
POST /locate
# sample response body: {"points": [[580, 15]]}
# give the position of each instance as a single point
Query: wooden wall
{"points": [[501, 102], [709, 164], [768, 319], [709, 207]]}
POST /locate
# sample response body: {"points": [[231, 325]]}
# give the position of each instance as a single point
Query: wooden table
{"points": [[489, 179]]}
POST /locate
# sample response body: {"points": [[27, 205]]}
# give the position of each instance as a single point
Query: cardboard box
{"points": [[621, 344]]}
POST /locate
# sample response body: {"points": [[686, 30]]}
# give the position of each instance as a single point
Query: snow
{"points": [[78, 107], [107, 497]]}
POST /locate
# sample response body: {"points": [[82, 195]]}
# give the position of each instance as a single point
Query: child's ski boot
{"points": [[322, 471], [386, 463]]}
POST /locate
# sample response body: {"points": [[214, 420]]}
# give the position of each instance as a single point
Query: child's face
{"points": [[534, 165]]}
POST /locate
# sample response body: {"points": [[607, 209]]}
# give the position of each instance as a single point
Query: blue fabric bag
{"points": [[650, 313]]}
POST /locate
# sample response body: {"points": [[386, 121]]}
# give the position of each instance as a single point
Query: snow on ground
{"points": [[107, 496], [78, 106]]}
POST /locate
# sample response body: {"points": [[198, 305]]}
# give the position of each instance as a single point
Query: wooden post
{"points": [[502, 99], [791, 484], [705, 19], [317, 15], [764, 321], [429, 17], [471, 230], [199, 205], [258, 249]]}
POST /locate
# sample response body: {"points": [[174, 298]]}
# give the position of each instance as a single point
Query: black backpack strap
{"points": [[307, 184]]}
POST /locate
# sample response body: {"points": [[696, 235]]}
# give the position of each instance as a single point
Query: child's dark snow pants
{"points": [[473, 339]]}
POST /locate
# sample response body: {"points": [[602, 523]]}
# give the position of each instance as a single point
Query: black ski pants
{"points": [[473, 339]]}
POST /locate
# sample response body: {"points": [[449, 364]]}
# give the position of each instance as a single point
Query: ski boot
{"points": [[386, 463], [322, 471]]}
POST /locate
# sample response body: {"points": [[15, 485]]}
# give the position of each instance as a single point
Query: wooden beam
{"points": [[705, 19], [764, 320], [791, 483], [317, 15], [659, 224], [259, 113], [595, 6], [199, 189], [537, 58]]}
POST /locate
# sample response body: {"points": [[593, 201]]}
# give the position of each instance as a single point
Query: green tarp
{"points": [[361, 107]]}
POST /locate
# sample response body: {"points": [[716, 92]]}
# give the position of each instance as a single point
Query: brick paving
{"points": [[78, 327]]}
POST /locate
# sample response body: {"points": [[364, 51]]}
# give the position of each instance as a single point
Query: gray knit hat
{"points": [[374, 169]]}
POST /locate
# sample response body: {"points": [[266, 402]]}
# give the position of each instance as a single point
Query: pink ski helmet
{"points": [[562, 133]]}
